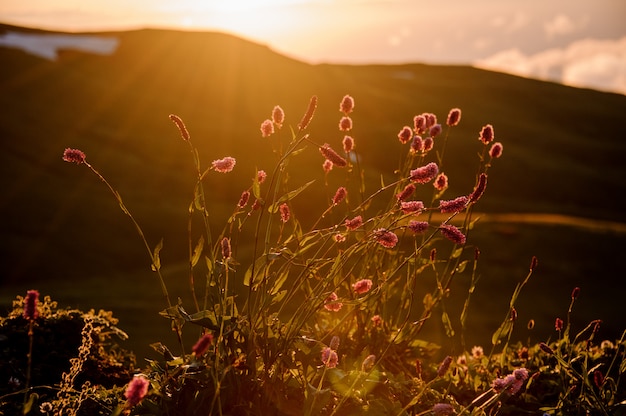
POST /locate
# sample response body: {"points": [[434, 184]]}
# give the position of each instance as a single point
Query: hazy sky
{"points": [[577, 42]]}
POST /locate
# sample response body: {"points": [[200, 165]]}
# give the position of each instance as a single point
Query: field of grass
{"points": [[64, 235]]}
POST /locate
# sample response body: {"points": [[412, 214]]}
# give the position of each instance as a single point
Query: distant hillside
{"points": [[564, 147]]}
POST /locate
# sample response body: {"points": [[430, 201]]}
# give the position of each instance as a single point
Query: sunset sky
{"points": [[576, 42]]}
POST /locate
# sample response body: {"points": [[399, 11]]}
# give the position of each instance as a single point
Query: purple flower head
{"points": [[435, 130], [452, 233], [261, 176], [224, 165], [424, 174], [327, 166], [479, 190], [444, 366], [441, 182], [331, 155], [406, 192], [329, 357], [348, 144], [419, 124], [454, 116], [347, 104], [340, 195], [412, 207], [285, 212], [443, 409], [267, 128], [362, 286], [385, 238], [405, 135], [429, 143], [354, 223], [417, 144], [74, 156], [453, 205], [30, 305], [278, 116], [243, 199], [331, 303], [418, 227], [486, 134], [345, 124], [226, 251], [203, 344], [496, 150], [136, 390]]}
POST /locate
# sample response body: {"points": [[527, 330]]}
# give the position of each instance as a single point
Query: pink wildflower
{"points": [[226, 251], [340, 195], [368, 363], [405, 135], [331, 155], [74, 156], [256, 205], [278, 116], [512, 383], [203, 344], [410, 207], [435, 130], [136, 390], [454, 116], [431, 120], [486, 134], [453, 205], [354, 223], [417, 144], [345, 124], [477, 352], [267, 128], [224, 165], [30, 305], [479, 190], [285, 212], [306, 119], [496, 150], [377, 320], [348, 144], [327, 166], [442, 409], [347, 105], [444, 366], [424, 174], [181, 127], [385, 238], [452, 233], [329, 357], [558, 324], [419, 124], [418, 227], [441, 182], [339, 238], [429, 143], [334, 342], [406, 192], [243, 199], [362, 286], [331, 303], [261, 176]]}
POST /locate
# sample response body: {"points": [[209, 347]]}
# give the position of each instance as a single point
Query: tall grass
{"points": [[308, 305]]}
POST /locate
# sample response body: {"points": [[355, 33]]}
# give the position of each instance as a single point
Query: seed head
{"points": [[267, 128], [453, 205], [347, 105], [486, 134], [496, 150], [224, 165], [479, 189], [285, 212], [181, 127], [435, 130], [444, 366], [418, 227], [385, 238], [452, 233], [345, 124], [412, 207], [136, 390], [405, 135], [30, 305], [406, 192], [454, 116], [354, 223], [331, 155], [340, 195], [424, 174], [441, 182], [226, 251], [278, 116], [306, 119], [348, 144], [362, 286]]}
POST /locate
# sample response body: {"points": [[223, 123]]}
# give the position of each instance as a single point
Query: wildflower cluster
{"points": [[319, 313]]}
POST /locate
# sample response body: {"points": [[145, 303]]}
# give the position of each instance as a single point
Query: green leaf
{"points": [[461, 267], [156, 264], [447, 324], [502, 332], [288, 196], [206, 318], [197, 251], [258, 265]]}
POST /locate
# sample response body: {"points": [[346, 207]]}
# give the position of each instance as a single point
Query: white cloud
{"points": [[591, 63]]}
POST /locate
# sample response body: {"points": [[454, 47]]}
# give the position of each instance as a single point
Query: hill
{"points": [[563, 154]]}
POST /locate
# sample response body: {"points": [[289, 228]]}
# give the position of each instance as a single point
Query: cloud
{"points": [[590, 63]]}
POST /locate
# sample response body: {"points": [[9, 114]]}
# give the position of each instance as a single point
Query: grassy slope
{"points": [[63, 232]]}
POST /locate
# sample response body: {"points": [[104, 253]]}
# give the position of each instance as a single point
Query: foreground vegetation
{"points": [[310, 300]]}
